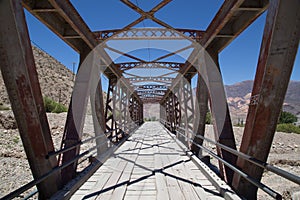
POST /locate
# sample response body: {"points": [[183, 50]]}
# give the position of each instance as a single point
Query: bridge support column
{"points": [[109, 117], [177, 111], [77, 110], [99, 119], [172, 111], [135, 110], [141, 113], [187, 109], [23, 88], [162, 112], [222, 128], [278, 51], [201, 108]]}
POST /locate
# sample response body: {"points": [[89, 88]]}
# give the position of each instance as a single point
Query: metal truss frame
{"points": [[279, 48], [163, 65], [149, 34]]}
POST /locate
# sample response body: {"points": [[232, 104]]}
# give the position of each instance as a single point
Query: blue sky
{"points": [[238, 60]]}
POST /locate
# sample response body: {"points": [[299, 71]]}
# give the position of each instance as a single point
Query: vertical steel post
{"points": [[99, 119], [75, 122], [226, 136], [201, 107], [21, 80], [109, 117], [277, 55]]}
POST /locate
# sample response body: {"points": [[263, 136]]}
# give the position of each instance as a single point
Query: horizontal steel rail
{"points": [[32, 183], [258, 184], [75, 145], [264, 165]]}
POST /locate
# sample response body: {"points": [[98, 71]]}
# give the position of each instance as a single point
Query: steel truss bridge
{"points": [[119, 119]]}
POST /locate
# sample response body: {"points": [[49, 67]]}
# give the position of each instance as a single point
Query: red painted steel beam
{"points": [[221, 18], [21, 80], [277, 54], [233, 17], [148, 34], [72, 17]]}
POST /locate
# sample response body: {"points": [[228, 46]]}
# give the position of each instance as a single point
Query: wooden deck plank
{"points": [[150, 165]]}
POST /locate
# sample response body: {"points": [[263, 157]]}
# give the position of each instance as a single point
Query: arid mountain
{"points": [[57, 83], [238, 98], [55, 79]]}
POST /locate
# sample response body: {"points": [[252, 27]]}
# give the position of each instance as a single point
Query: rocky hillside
{"points": [[55, 79], [238, 98]]}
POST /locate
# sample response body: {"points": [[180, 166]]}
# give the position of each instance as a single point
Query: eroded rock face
{"points": [[55, 79]]}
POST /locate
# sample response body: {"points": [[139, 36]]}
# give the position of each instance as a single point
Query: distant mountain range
{"points": [[238, 98], [57, 83]]}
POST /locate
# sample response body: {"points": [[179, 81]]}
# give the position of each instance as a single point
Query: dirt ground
{"points": [[15, 172], [284, 154]]}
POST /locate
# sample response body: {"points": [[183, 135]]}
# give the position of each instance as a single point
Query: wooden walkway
{"points": [[150, 165]]}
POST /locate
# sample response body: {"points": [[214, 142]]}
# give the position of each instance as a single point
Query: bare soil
{"points": [[15, 171], [284, 154]]}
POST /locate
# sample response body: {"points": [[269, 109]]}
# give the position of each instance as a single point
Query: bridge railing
{"points": [[287, 175], [85, 155]]}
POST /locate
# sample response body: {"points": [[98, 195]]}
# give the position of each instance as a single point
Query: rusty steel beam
{"points": [[143, 16], [233, 17], [72, 17], [151, 100], [275, 64], [159, 92], [227, 24], [221, 18], [150, 65], [109, 118], [57, 23], [160, 79], [149, 34], [20, 77], [150, 14], [67, 24], [150, 86], [125, 54]]}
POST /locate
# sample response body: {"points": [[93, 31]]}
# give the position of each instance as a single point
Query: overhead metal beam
{"points": [[275, 64], [20, 77], [227, 24], [61, 20], [149, 65], [150, 79], [149, 34], [138, 87], [232, 18]]}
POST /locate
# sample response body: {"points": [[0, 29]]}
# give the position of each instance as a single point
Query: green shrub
{"points": [[287, 118], [208, 118], [53, 107], [288, 128], [60, 108], [239, 125]]}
